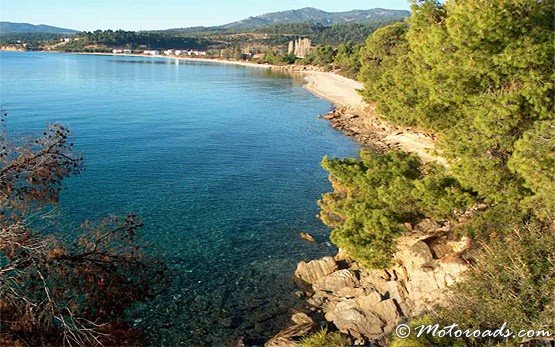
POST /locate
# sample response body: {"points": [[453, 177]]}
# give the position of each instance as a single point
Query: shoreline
{"points": [[205, 60]]}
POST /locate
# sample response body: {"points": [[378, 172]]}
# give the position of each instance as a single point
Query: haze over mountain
{"points": [[16, 28]]}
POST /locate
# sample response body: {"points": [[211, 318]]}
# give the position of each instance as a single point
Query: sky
{"points": [[163, 14]]}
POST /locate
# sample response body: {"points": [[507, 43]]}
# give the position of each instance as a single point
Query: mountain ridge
{"points": [[18, 28], [311, 15]]}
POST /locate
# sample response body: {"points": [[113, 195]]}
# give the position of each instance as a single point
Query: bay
{"points": [[220, 161]]}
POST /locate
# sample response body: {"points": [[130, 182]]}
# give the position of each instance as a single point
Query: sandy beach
{"points": [[340, 90]]}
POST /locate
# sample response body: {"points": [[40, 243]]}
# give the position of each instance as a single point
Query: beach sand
{"points": [[339, 90]]}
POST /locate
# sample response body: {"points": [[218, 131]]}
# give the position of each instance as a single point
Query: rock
{"points": [[301, 318], [336, 281], [349, 292], [307, 237], [349, 318], [368, 303], [315, 269], [413, 254], [315, 301], [373, 280], [281, 342], [303, 325], [387, 310]]}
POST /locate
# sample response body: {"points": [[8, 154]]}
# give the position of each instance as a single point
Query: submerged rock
{"points": [[307, 237]]}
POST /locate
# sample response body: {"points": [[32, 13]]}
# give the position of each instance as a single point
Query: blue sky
{"points": [[162, 14]]}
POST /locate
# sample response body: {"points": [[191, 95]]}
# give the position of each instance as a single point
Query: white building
{"points": [[151, 52], [117, 51], [169, 52], [127, 51]]}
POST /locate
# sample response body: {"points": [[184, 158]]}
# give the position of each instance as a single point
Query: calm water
{"points": [[222, 163]]}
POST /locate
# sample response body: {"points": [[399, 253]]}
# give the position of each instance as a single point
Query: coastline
{"points": [[205, 60]]}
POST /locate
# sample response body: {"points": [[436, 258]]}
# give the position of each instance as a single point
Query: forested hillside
{"points": [[479, 75]]}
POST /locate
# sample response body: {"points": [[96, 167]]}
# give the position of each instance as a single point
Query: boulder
{"points": [[348, 292], [315, 269], [387, 310], [301, 318], [336, 281], [349, 318]]}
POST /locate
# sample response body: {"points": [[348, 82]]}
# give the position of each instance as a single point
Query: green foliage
{"points": [[347, 59], [132, 39], [277, 58], [375, 195], [321, 55], [533, 159], [512, 282], [29, 38], [324, 35], [479, 74], [323, 338], [482, 78], [386, 73], [341, 33]]}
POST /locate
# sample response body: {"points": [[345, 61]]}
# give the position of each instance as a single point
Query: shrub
{"points": [[374, 195], [323, 338]]}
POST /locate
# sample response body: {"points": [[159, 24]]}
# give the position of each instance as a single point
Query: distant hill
{"points": [[303, 15], [18, 28], [314, 15]]}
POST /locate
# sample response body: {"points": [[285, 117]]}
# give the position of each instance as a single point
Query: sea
{"points": [[222, 163]]}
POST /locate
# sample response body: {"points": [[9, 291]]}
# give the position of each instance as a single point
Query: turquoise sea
{"points": [[222, 162]]}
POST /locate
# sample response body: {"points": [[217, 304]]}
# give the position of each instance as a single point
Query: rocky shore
{"points": [[370, 130], [368, 304]]}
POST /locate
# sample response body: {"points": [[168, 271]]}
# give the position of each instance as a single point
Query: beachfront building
{"points": [[117, 51], [126, 51], [197, 53], [169, 52], [151, 52]]}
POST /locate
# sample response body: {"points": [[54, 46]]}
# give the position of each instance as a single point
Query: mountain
{"points": [[17, 28], [314, 15]]}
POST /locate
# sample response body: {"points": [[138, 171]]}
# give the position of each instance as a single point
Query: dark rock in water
{"points": [[307, 237]]}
